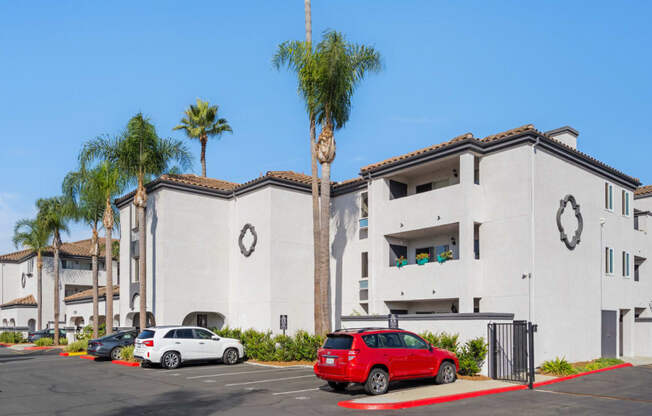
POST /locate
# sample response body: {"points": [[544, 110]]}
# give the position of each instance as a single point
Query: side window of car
{"points": [[185, 333], [201, 334], [126, 336], [170, 334], [371, 340], [390, 340], [413, 342]]}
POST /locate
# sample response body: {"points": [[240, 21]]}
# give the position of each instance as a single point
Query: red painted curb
{"points": [[125, 363], [3, 344], [454, 397], [64, 354], [42, 348], [88, 357]]}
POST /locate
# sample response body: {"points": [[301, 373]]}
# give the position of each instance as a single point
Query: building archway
{"points": [[31, 325], [135, 320], [5, 323], [12, 323], [204, 319], [116, 321]]}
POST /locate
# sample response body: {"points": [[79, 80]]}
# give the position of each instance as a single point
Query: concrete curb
{"points": [[125, 363], [279, 366], [350, 404], [72, 354]]}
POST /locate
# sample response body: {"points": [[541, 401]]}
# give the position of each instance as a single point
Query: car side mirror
{"points": [[215, 338]]}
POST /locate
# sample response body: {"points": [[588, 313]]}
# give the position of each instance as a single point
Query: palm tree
{"points": [[55, 213], [32, 234], [139, 154], [201, 122], [339, 68], [299, 57]]}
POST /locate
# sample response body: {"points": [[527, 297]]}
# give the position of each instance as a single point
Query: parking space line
{"points": [[295, 391], [232, 374], [268, 381]]}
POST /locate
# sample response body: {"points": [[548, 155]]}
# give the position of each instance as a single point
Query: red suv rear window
{"points": [[338, 342]]}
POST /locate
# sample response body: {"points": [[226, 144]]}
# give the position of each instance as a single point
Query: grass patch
{"points": [[44, 342], [77, 346], [12, 338], [561, 367], [127, 354]]}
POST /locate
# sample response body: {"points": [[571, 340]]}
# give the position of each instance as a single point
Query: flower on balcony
{"points": [[423, 258], [401, 261], [446, 255]]}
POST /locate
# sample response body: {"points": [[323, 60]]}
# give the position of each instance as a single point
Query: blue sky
{"points": [[73, 70]]}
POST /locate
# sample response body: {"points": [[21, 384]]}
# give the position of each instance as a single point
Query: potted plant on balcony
{"points": [[446, 255], [422, 258], [401, 261]]}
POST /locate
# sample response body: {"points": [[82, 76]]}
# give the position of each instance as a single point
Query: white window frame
{"points": [[364, 219], [627, 264], [609, 197], [626, 208], [609, 261]]}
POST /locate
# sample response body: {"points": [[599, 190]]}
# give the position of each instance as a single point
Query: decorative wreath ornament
{"points": [[23, 280], [580, 222], [247, 251]]}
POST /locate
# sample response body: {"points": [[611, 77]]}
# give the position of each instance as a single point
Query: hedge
{"points": [[12, 337]]}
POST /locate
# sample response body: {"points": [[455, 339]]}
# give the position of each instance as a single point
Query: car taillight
{"points": [[148, 343], [353, 354]]}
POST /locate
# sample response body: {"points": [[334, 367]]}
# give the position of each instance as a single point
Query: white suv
{"points": [[172, 345]]}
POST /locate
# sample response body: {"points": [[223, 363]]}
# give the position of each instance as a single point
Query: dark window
{"points": [[636, 222], [424, 187], [390, 340], [397, 189], [338, 342], [636, 267], [395, 252], [476, 241], [371, 340], [364, 262], [430, 251], [146, 334], [185, 333], [476, 305], [201, 334], [413, 342], [170, 334], [364, 205], [202, 320], [398, 311]]}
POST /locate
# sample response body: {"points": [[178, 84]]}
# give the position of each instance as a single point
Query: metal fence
{"points": [[511, 351]]}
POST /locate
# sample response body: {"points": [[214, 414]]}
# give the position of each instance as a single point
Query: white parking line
{"points": [[295, 391], [232, 374], [268, 381]]}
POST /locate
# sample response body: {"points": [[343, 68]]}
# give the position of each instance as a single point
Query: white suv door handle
{"points": [[177, 342], [202, 343]]}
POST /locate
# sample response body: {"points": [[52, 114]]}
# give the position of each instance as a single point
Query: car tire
{"points": [[337, 386], [446, 373], [377, 382], [230, 356], [171, 360], [116, 354]]}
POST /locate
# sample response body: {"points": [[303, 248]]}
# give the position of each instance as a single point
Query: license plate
{"points": [[330, 361]]}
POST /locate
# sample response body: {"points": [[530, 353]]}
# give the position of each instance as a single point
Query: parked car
{"points": [[110, 346], [374, 357], [32, 336], [170, 346]]}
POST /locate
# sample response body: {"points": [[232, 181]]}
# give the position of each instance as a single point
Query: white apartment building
{"points": [[537, 230], [18, 286]]}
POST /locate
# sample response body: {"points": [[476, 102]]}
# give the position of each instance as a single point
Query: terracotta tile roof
{"points": [[643, 191], [288, 175], [78, 249], [190, 179], [522, 129], [88, 294], [337, 185], [25, 301]]}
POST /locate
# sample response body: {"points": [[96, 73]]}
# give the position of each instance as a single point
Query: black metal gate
{"points": [[511, 351]]}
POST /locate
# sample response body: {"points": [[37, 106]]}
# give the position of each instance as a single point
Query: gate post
{"points": [[530, 353]]}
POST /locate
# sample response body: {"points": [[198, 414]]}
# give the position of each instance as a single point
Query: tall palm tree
{"points": [[33, 235], [339, 68], [139, 154], [55, 213], [88, 205], [201, 122]]}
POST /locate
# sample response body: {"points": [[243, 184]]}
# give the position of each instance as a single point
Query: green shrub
{"points": [[598, 364], [127, 353], [12, 337], [442, 340], [472, 356], [558, 367], [63, 341], [87, 332], [44, 342], [77, 346]]}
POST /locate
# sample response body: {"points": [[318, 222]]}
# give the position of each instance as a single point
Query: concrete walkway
{"points": [[636, 361]]}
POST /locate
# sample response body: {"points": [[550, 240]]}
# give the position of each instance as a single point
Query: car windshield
{"points": [[338, 342], [146, 334]]}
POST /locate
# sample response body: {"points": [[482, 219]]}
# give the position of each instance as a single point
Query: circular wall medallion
{"points": [[247, 251], [23, 280], [580, 222]]}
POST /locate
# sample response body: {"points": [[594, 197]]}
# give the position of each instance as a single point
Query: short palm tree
{"points": [[55, 213], [201, 122], [31, 234], [139, 154]]}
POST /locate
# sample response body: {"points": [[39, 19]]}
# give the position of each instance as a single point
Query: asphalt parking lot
{"points": [[44, 383]]}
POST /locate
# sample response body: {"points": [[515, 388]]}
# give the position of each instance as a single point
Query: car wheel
{"points": [[171, 360], [377, 382], [446, 373], [230, 356], [337, 386], [116, 353]]}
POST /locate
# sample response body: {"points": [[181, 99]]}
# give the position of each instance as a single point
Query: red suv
{"points": [[374, 356]]}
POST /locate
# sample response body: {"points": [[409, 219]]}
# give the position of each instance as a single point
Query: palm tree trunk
{"points": [[39, 290], [142, 293], [203, 141], [325, 247], [108, 262], [96, 313], [56, 244], [316, 226], [308, 13]]}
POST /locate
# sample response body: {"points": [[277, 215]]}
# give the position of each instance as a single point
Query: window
{"points": [[441, 183], [371, 340], [398, 311], [202, 320], [397, 189], [147, 333], [430, 251], [424, 188], [636, 226], [608, 196], [625, 264], [184, 333], [476, 305], [202, 334], [364, 263], [390, 340], [609, 260], [364, 205], [338, 342], [441, 249], [476, 241], [636, 271], [395, 252], [625, 203], [30, 266], [413, 342], [171, 334]]}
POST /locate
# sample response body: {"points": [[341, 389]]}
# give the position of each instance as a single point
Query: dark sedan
{"points": [[32, 336], [110, 346]]}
